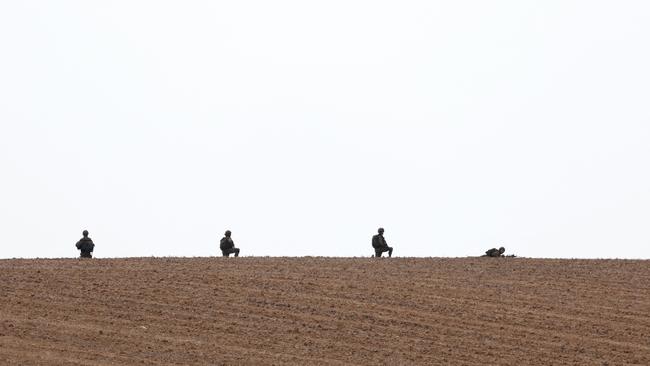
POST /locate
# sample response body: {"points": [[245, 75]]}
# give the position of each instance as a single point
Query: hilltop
{"points": [[212, 311]]}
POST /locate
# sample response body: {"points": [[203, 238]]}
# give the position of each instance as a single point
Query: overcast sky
{"points": [[303, 126]]}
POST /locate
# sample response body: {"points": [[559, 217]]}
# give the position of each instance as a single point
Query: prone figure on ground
{"points": [[227, 245], [85, 245], [380, 245], [494, 252]]}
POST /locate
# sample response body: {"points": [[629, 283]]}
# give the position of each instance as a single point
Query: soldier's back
{"points": [[494, 252]]}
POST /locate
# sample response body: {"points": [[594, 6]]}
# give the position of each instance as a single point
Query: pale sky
{"points": [[303, 126]]}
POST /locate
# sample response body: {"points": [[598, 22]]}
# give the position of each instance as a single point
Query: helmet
{"points": [[85, 233], [227, 232], [502, 249], [380, 230]]}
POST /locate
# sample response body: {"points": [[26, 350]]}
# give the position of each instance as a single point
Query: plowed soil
{"points": [[398, 311]]}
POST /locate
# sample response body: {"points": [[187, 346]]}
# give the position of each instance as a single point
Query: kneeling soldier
{"points": [[380, 245], [228, 246], [86, 246]]}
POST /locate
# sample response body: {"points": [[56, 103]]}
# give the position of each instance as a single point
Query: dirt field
{"points": [[214, 311]]}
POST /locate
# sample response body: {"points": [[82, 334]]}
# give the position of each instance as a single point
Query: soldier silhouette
{"points": [[85, 245], [227, 245], [494, 252], [380, 245]]}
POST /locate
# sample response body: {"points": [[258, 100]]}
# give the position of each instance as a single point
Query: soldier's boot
{"points": [[390, 252], [236, 252]]}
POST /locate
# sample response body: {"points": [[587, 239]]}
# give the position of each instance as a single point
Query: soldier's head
{"points": [[227, 233], [502, 250], [380, 231], [85, 233]]}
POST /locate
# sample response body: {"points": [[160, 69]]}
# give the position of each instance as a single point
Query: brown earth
{"points": [[399, 311]]}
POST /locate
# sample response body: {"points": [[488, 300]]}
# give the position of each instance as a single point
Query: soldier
{"points": [[85, 245], [379, 243], [228, 246], [494, 252]]}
